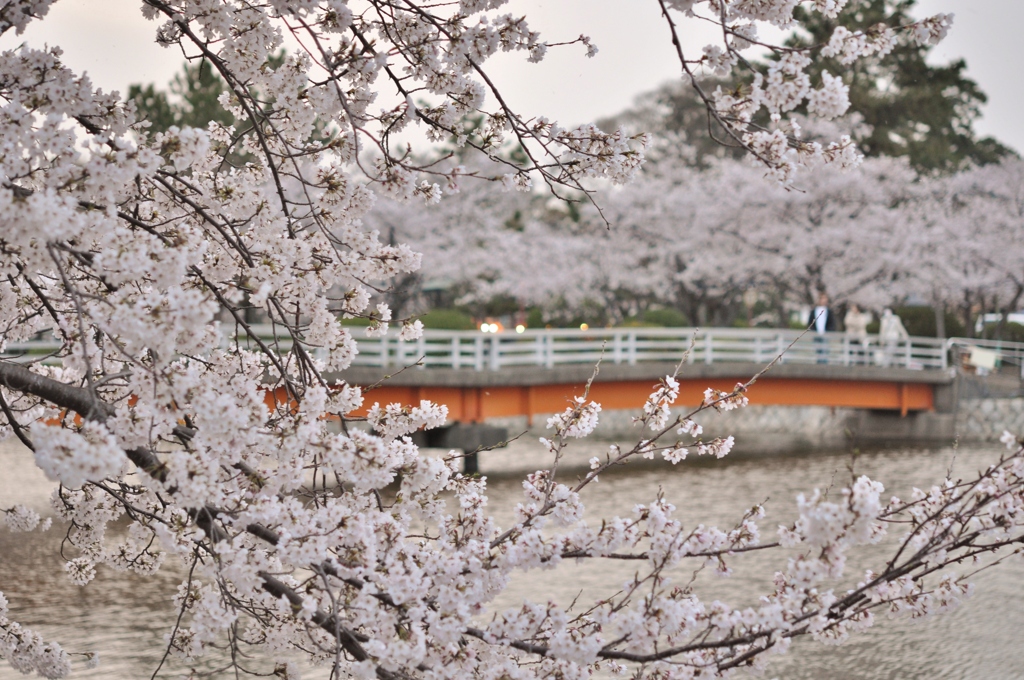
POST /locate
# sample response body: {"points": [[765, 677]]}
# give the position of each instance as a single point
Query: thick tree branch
{"points": [[78, 399]]}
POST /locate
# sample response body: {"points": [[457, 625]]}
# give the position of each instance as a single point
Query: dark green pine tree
{"points": [[198, 86], [153, 106], [192, 100], [915, 109]]}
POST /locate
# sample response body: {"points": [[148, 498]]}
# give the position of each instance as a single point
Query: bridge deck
{"points": [[473, 396]]}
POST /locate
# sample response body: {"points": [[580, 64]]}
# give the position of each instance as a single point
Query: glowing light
{"points": [[485, 328], [520, 328], [584, 326]]}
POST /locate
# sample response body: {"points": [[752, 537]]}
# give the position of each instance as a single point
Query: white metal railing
{"points": [[556, 347]]}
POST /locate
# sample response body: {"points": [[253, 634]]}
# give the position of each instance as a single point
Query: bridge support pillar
{"points": [[470, 437]]}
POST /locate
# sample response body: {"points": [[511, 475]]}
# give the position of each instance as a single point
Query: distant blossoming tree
{"points": [[874, 235], [140, 253]]}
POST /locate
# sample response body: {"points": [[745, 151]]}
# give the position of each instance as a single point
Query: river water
{"points": [[125, 618]]}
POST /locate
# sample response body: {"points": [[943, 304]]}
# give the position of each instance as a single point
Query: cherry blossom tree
{"points": [[960, 240], [238, 457], [840, 234], [875, 235], [489, 244], [843, 232]]}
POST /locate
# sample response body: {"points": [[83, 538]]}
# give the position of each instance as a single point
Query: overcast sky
{"points": [[110, 40]]}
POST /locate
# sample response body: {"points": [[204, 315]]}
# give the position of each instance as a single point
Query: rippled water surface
{"points": [[125, 617]]}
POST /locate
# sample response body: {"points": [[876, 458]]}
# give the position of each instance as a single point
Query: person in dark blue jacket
{"points": [[824, 321]]}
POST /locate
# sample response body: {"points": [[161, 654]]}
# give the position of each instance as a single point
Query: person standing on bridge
{"points": [[856, 324], [890, 333], [824, 321]]}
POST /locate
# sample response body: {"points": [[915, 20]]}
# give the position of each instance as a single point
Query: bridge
{"points": [[480, 376], [487, 375]]}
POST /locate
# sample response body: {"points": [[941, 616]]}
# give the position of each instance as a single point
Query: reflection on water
{"points": [[125, 618]]}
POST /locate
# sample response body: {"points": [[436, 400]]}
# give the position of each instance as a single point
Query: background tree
{"points": [[678, 120], [900, 104], [960, 243], [909, 107], [878, 236], [191, 101]]}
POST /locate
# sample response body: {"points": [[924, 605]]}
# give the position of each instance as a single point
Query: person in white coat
{"points": [[890, 333]]}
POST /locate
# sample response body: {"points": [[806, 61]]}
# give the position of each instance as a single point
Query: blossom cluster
{"points": [[726, 401], [577, 421], [657, 408], [395, 420], [27, 651], [20, 518]]}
